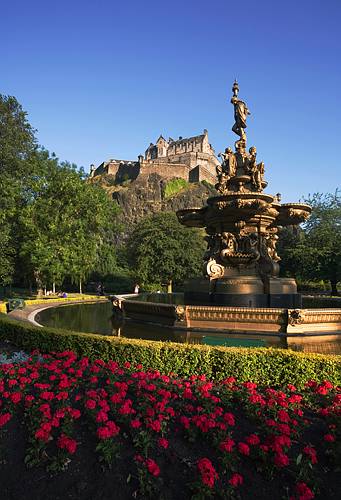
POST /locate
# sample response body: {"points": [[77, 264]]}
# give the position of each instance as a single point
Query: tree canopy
{"points": [[54, 223], [161, 250], [17, 166], [315, 251]]}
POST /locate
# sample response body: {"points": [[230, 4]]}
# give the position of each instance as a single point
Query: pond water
{"points": [[98, 318]]}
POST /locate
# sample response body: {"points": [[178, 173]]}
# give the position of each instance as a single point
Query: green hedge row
{"points": [[318, 302], [275, 367]]}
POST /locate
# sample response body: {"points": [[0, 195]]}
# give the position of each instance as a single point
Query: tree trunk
{"points": [[39, 283], [169, 286], [80, 286], [333, 284], [53, 287]]}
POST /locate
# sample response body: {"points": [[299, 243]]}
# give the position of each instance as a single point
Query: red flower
{"points": [[281, 460], [135, 424], [329, 438], [304, 492], [74, 413], [321, 390], [229, 419], [103, 433], [4, 418], [244, 449], [207, 472], [15, 397], [236, 480], [110, 430], [250, 385], [126, 408], [185, 421], [284, 429], [283, 416], [163, 443], [253, 439], [47, 395], [311, 452], [229, 380], [90, 404], [62, 395], [101, 416], [67, 443], [227, 445], [152, 467], [42, 435]]}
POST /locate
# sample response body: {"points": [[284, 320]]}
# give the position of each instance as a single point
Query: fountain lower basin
{"points": [[285, 322]]}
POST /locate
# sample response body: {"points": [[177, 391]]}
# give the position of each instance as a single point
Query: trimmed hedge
{"points": [[275, 367], [319, 302], [51, 300]]}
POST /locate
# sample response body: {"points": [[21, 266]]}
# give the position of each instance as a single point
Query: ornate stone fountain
{"points": [[241, 264], [241, 292]]}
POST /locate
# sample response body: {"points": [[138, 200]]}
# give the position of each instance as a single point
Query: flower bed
{"points": [[101, 430]]}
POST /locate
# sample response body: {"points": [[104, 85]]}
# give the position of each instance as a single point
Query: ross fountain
{"points": [[242, 225], [241, 291]]}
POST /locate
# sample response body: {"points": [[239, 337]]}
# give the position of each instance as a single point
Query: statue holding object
{"points": [[255, 170], [241, 112]]}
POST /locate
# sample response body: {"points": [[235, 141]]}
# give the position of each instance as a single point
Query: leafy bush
{"points": [[161, 250], [274, 367], [314, 302], [174, 186]]}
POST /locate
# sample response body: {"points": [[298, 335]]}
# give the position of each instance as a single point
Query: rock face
{"points": [[146, 195]]}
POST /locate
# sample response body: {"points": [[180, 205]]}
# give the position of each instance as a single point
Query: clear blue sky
{"points": [[102, 79]]}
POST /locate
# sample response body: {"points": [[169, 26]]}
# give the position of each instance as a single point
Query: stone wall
{"points": [[165, 169], [199, 173]]}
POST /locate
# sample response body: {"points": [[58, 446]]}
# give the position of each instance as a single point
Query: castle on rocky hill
{"points": [[192, 159]]}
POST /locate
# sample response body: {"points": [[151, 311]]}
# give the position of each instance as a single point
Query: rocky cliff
{"points": [[147, 195]]}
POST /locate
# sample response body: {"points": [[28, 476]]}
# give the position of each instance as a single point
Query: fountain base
{"points": [[243, 291]]}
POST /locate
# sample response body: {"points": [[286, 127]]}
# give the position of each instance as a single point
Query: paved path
{"points": [[27, 314]]}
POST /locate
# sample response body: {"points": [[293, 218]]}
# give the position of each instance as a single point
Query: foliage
{"points": [[174, 186], [315, 251], [17, 167], [161, 249], [53, 223], [320, 302], [64, 223], [275, 367]]}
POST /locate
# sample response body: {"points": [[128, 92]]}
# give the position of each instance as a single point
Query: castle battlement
{"points": [[192, 159]]}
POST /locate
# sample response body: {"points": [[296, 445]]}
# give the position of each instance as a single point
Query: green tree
{"points": [[17, 167], [162, 250], [64, 224], [315, 252]]}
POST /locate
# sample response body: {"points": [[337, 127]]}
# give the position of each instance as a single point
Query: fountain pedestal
{"points": [[243, 291]]}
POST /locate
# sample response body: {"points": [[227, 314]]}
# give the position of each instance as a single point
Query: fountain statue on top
{"points": [[242, 224]]}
